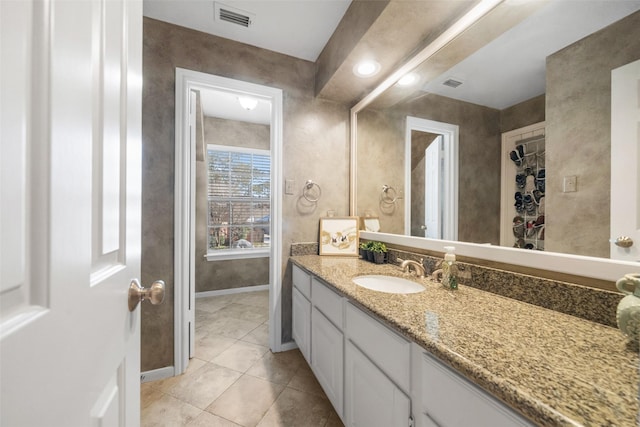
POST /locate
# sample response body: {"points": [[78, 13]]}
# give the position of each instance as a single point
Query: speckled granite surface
{"points": [[555, 369], [596, 305]]}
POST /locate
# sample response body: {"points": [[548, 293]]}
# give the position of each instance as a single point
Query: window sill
{"points": [[223, 255]]}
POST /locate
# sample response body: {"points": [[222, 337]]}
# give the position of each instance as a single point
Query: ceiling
{"points": [[335, 34], [516, 60], [297, 28]]}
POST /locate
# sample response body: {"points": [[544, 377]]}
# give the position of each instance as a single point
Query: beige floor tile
{"points": [[211, 345], [259, 335], [204, 386], [212, 304], [148, 394], [245, 312], [206, 419], [228, 327], [164, 385], [168, 411], [334, 420], [256, 299], [246, 401], [240, 356], [276, 367], [296, 408], [305, 381]]}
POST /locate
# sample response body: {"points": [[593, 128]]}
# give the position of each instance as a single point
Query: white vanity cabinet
{"points": [[377, 365], [374, 376], [443, 398], [301, 325], [327, 342]]}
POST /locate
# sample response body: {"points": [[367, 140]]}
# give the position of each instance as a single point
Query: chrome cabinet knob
{"points": [[623, 242], [154, 293]]}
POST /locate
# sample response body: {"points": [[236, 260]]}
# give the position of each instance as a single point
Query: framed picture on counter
{"points": [[339, 236]]}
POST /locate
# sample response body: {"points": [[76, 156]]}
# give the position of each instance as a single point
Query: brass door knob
{"points": [[623, 242], [154, 293]]}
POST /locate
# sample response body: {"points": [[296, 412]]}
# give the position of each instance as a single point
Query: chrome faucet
{"points": [[417, 267]]}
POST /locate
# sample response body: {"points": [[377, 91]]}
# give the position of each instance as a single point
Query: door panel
{"points": [[70, 349]]}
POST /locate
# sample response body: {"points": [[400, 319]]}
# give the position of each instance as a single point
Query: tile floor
{"points": [[234, 380]]}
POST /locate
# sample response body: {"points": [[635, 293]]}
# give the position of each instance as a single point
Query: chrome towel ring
{"points": [[309, 193], [389, 194]]}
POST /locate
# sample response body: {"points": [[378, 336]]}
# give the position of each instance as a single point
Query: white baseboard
{"points": [[157, 374], [286, 346], [232, 291]]}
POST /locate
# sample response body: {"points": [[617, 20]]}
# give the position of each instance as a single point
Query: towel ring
{"points": [[385, 197], [307, 192]]}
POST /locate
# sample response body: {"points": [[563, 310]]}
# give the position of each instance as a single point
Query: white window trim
{"points": [[245, 253], [228, 254]]}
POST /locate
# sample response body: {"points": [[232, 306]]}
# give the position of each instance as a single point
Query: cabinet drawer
{"points": [[387, 349], [302, 281], [445, 392], [328, 302]]}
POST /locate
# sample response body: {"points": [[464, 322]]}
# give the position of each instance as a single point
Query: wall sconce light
{"points": [[248, 103]]}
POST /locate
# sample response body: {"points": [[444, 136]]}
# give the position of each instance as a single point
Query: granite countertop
{"points": [[555, 369]]}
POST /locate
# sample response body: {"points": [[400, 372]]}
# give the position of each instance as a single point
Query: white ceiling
{"points": [[299, 28], [511, 69], [225, 105]]}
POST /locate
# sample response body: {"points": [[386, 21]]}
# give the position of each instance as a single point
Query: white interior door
{"points": [[70, 212], [432, 186], [625, 158]]}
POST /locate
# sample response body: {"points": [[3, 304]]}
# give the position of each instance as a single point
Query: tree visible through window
{"points": [[239, 198]]}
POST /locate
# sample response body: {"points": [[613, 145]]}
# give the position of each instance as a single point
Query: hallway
{"points": [[234, 380]]}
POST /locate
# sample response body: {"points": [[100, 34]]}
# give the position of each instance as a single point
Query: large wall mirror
{"points": [[521, 64]]}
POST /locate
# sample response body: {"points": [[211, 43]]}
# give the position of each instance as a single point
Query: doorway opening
{"points": [[431, 179], [235, 226]]}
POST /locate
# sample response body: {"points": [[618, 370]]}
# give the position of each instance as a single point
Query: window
{"points": [[239, 202]]}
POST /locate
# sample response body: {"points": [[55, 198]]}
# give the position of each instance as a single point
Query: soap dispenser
{"points": [[450, 269]]}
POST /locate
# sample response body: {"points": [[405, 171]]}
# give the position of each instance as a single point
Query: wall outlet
{"points": [[570, 184], [288, 186]]}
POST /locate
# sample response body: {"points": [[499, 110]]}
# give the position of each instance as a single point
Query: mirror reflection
{"points": [[545, 75]]}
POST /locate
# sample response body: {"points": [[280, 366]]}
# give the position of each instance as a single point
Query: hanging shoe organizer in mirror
{"points": [[529, 219]]}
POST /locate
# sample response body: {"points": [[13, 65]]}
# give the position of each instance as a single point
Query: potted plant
{"points": [[379, 250], [367, 255]]}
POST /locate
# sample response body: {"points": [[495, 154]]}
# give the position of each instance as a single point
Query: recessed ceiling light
{"points": [[408, 79], [248, 103], [366, 68]]}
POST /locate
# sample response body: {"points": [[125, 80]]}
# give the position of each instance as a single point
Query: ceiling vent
{"points": [[233, 16], [451, 82]]}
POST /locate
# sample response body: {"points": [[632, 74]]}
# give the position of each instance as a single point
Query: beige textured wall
{"points": [[578, 142], [216, 275], [526, 113], [381, 149], [315, 147]]}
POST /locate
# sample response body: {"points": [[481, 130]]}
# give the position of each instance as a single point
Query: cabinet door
{"points": [[445, 392], [371, 398], [327, 349], [301, 329]]}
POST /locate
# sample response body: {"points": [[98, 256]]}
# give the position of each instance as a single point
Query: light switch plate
{"points": [[288, 186], [570, 184]]}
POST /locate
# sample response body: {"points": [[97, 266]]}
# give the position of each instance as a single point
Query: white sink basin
{"points": [[389, 284]]}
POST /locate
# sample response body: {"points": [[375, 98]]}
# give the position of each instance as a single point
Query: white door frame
{"points": [[449, 134], [187, 80]]}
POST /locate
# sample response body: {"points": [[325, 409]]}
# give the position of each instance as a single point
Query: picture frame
{"points": [[339, 236], [370, 223]]}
